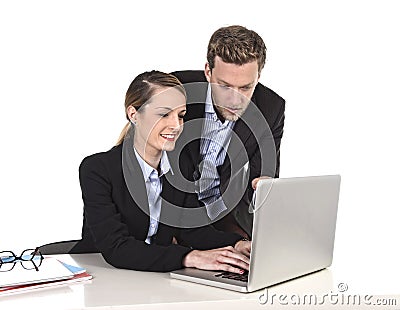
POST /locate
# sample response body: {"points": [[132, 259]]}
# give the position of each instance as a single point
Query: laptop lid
{"points": [[294, 228]]}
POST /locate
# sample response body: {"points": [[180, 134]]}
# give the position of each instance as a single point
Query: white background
{"points": [[65, 67]]}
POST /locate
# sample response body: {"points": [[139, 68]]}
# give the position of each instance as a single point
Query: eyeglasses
{"points": [[30, 259]]}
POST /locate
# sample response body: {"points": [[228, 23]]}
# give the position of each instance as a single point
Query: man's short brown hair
{"points": [[237, 45]]}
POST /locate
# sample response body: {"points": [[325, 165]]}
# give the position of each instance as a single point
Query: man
{"points": [[233, 128]]}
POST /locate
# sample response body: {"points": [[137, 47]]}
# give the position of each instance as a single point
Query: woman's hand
{"points": [[225, 259]]}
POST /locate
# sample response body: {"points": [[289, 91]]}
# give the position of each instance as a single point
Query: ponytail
{"points": [[123, 133]]}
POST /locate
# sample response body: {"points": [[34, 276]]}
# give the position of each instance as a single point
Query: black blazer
{"points": [[116, 226], [254, 149]]}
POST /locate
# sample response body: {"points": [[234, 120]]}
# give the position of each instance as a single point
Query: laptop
{"points": [[293, 234]]}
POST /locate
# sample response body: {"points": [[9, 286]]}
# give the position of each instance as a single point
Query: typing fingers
{"points": [[226, 259], [230, 258]]}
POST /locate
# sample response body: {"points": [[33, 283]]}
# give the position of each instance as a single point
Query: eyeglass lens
{"points": [[29, 259]]}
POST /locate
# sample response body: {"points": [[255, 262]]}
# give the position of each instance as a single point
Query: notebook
{"points": [[293, 234], [51, 269]]}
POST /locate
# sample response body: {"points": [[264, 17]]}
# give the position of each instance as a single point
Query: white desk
{"points": [[113, 288]]}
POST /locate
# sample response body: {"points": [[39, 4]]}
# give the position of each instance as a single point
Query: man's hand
{"points": [[255, 181], [225, 259]]}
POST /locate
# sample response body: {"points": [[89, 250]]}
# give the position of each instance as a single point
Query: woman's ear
{"points": [[131, 112]]}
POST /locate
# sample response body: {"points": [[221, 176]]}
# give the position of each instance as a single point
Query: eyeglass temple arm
{"points": [[36, 252]]}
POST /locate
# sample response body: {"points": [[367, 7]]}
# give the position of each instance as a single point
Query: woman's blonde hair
{"points": [[143, 88]]}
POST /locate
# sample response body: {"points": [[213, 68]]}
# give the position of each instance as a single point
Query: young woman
{"points": [[124, 195]]}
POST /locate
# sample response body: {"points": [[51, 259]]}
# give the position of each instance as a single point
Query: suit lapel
{"points": [[241, 134], [194, 119]]}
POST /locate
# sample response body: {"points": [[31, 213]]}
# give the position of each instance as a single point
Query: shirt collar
{"points": [[164, 164], [209, 108], [147, 170]]}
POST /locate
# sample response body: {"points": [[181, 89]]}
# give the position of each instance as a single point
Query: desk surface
{"points": [[128, 289]]}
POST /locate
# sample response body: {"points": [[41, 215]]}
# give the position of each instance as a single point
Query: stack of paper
{"points": [[52, 272]]}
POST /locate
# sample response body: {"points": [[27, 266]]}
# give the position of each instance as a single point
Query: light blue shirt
{"points": [[215, 139], [153, 184]]}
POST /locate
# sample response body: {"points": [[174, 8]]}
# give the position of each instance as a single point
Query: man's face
{"points": [[232, 86]]}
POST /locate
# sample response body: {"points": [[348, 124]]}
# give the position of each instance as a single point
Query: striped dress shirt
{"points": [[153, 184], [214, 142]]}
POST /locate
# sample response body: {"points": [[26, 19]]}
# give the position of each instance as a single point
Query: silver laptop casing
{"points": [[293, 233]]}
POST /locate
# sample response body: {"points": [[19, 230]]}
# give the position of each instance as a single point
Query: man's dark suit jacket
{"points": [[116, 226], [254, 149]]}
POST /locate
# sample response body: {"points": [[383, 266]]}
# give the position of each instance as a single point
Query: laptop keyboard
{"points": [[234, 276]]}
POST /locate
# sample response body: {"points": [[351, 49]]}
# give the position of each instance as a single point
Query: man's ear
{"points": [[131, 112], [207, 72]]}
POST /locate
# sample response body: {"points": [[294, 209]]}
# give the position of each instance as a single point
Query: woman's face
{"points": [[160, 122]]}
